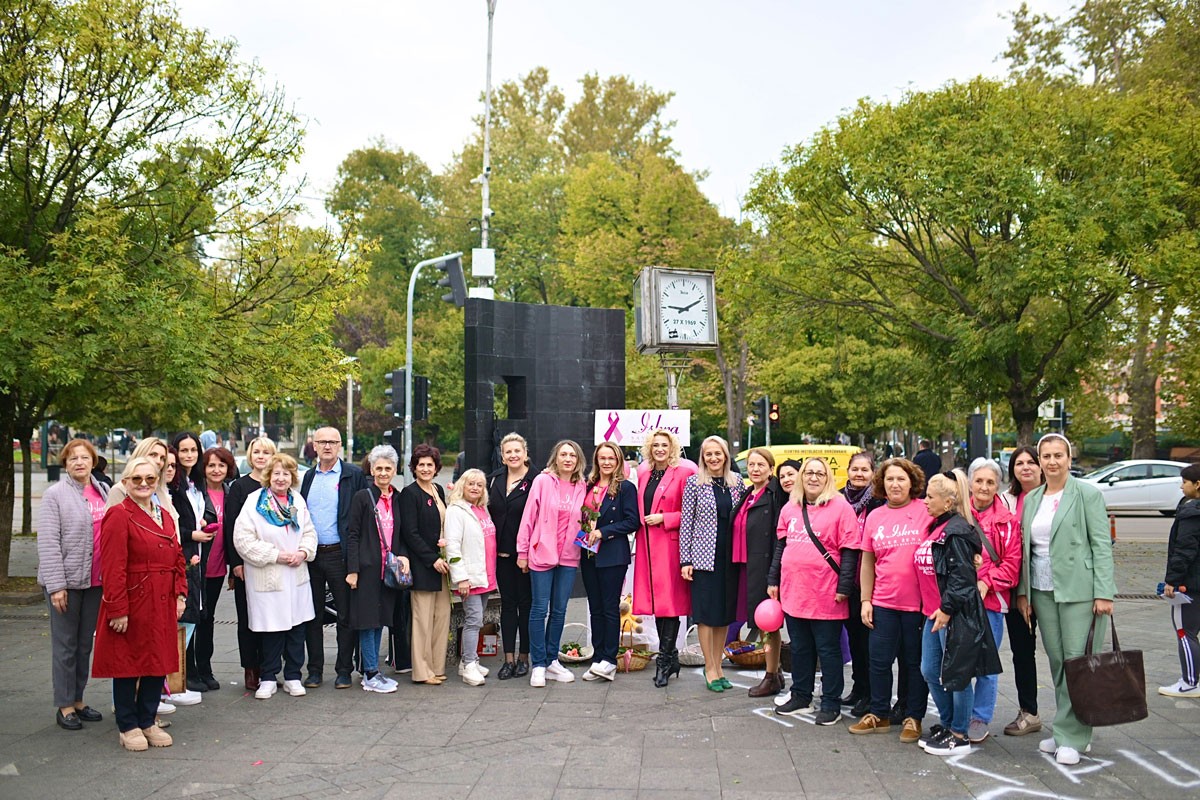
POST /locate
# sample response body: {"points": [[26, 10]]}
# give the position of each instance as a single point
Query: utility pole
{"points": [[486, 210]]}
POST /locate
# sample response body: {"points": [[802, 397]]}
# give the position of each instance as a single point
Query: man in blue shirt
{"points": [[327, 489]]}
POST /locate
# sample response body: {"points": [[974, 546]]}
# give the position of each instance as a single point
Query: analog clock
{"points": [[683, 309]]}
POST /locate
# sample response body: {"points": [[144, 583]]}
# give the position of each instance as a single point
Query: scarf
{"points": [[275, 514], [858, 498]]}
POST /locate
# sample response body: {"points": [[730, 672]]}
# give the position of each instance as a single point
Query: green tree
{"points": [[990, 227], [146, 250]]}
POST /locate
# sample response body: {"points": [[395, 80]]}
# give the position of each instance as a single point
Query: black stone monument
{"points": [[559, 364]]}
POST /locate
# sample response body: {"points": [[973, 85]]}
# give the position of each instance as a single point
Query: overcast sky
{"points": [[750, 77]]}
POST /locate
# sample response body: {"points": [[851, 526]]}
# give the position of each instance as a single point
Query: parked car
{"points": [[1140, 485]]}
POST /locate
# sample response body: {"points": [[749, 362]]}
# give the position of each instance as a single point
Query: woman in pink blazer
{"points": [[658, 587]]}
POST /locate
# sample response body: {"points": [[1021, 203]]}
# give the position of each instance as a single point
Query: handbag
{"points": [[193, 608], [394, 574], [1107, 688]]}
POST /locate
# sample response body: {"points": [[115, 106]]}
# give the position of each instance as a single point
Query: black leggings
{"points": [[516, 598], [1022, 640], [200, 650]]}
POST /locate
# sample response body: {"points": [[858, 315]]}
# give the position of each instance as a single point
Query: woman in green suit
{"points": [[1067, 574]]}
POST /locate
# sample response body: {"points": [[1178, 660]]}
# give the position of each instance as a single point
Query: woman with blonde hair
{"points": [[812, 575], [614, 500], [546, 547], [957, 643], [275, 537], [157, 451], [258, 453], [471, 550], [706, 552], [658, 585], [507, 491]]}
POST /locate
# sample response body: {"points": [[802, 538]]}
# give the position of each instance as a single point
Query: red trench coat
{"points": [[658, 588], [142, 571]]}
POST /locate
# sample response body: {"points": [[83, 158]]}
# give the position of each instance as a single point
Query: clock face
{"points": [[683, 310]]}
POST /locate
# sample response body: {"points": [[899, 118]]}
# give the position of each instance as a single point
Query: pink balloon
{"points": [[769, 616]]}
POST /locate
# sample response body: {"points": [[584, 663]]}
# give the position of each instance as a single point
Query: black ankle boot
{"points": [[662, 669]]}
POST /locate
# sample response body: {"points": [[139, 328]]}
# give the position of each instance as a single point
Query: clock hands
{"points": [[682, 309]]}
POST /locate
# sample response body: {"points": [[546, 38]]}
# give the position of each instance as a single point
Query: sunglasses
{"points": [[138, 480]]}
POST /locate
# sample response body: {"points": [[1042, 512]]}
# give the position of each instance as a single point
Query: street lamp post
{"points": [[408, 357], [349, 407]]}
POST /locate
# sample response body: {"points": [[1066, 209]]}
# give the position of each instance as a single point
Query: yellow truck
{"points": [[836, 455]]}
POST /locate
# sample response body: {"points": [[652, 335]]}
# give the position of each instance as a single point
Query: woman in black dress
{"points": [[706, 552], [507, 490]]}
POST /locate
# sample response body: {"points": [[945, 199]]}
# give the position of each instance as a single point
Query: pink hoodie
{"points": [[1003, 531], [546, 537]]}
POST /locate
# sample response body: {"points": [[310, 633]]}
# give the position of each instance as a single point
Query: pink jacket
{"points": [[541, 539], [1003, 531]]}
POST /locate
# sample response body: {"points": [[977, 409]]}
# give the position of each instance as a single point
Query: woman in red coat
{"points": [[658, 587], [145, 589]]}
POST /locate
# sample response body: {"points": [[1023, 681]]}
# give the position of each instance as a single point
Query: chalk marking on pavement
{"points": [[1162, 773], [1071, 774], [10, 771], [767, 713], [956, 761], [1001, 791]]}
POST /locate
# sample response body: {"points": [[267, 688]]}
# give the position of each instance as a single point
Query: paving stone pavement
{"points": [[506, 739]]}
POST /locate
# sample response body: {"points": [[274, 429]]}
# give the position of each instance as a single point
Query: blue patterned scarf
{"points": [[275, 514]]}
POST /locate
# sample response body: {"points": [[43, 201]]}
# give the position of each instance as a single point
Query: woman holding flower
{"points": [[546, 547], [275, 537], [422, 517], [611, 510]]}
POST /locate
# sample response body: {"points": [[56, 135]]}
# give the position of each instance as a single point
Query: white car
{"points": [[1139, 485]]}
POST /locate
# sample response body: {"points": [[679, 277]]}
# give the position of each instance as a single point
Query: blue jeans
{"points": [[551, 591], [953, 707], [368, 646], [896, 632], [817, 638], [987, 686]]}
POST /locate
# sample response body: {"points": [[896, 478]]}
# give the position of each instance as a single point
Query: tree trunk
{"points": [[7, 429], [1142, 388], [27, 481], [734, 381]]}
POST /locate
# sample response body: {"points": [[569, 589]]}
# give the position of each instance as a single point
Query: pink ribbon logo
{"points": [[613, 435]]}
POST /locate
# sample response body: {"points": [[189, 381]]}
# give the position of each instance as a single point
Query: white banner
{"points": [[629, 427]]}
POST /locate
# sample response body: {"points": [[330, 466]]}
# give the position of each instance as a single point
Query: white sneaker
{"points": [[186, 698], [165, 708], [537, 677], [266, 689], [482, 669], [1066, 755], [294, 688], [557, 672], [1179, 689], [472, 675], [1048, 746], [590, 673], [605, 670]]}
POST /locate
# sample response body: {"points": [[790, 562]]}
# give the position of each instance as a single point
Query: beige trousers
{"points": [[430, 633]]}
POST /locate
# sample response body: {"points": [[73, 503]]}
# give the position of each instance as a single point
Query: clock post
{"points": [[675, 313]]}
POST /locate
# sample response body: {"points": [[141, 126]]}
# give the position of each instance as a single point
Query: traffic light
{"points": [[761, 410], [774, 413], [420, 397], [454, 280], [395, 438], [394, 393]]}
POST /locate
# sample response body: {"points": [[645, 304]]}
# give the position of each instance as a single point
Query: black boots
{"points": [[667, 663]]}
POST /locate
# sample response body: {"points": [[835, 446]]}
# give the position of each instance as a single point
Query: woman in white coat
{"points": [[471, 551], [275, 536]]}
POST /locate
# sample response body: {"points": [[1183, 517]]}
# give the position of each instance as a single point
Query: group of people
{"points": [[929, 574]]}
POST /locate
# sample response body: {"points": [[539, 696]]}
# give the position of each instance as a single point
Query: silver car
{"points": [[1139, 485]]}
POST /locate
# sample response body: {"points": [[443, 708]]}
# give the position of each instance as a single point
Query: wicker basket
{"points": [[755, 659], [690, 655], [629, 659], [585, 650]]}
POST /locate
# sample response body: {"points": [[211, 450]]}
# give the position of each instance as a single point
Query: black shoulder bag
{"points": [[833, 565]]}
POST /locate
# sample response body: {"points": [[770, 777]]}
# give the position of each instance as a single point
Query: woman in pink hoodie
{"points": [[997, 575], [546, 549]]}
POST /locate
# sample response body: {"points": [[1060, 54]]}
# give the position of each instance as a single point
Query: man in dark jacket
{"points": [[327, 489], [929, 461], [1183, 575]]}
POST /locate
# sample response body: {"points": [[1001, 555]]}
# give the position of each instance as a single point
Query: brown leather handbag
{"points": [[1107, 688]]}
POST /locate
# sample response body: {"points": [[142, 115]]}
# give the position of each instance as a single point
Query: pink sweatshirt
{"points": [[546, 537], [1003, 531]]}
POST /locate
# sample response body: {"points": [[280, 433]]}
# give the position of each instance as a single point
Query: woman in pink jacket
{"points": [[658, 587], [1001, 568], [546, 549]]}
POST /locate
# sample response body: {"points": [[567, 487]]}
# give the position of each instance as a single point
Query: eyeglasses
{"points": [[811, 474], [138, 480], [328, 442]]}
